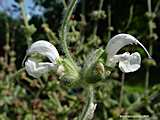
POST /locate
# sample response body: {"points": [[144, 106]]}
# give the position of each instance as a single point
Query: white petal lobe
{"points": [[44, 48], [131, 63]]}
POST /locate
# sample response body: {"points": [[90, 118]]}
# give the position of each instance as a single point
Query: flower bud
{"points": [[149, 62], [98, 14], [60, 70], [115, 74], [12, 53]]}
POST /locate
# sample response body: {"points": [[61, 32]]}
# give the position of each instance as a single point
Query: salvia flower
{"points": [[127, 62], [44, 48]]}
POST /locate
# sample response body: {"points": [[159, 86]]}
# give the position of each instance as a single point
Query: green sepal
{"points": [[89, 73], [71, 73]]}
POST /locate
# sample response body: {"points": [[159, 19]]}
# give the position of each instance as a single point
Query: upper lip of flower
{"points": [[118, 42], [44, 48]]}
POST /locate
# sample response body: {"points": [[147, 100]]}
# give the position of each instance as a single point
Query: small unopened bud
{"points": [[150, 15], [13, 59], [100, 68], [1, 60], [29, 30], [108, 73], [60, 70], [46, 27], [149, 62], [12, 53], [110, 28], [98, 14], [94, 40], [115, 74]]}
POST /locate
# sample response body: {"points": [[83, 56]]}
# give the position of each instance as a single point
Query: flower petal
{"points": [[116, 58], [131, 63], [44, 48], [118, 42], [37, 69]]}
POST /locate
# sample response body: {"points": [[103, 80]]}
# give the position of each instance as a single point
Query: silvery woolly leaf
{"points": [[44, 48], [129, 63], [37, 69], [118, 42]]}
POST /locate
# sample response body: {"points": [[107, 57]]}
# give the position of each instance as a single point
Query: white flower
{"points": [[127, 62], [46, 49]]}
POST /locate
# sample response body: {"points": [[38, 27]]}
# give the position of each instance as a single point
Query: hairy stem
{"points": [[157, 7], [25, 20], [83, 19], [86, 110], [64, 4], [109, 22], [64, 30], [130, 18], [96, 25], [147, 81], [150, 47], [7, 35]]}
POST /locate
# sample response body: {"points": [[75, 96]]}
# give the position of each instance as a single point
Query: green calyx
{"points": [[71, 73], [93, 71]]}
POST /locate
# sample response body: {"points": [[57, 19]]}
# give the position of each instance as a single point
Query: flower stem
{"points": [[96, 25], [64, 4], [122, 88], [157, 7], [86, 110], [25, 20], [14, 75], [150, 47], [64, 29], [83, 20], [130, 18], [147, 81], [109, 22], [7, 40]]}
